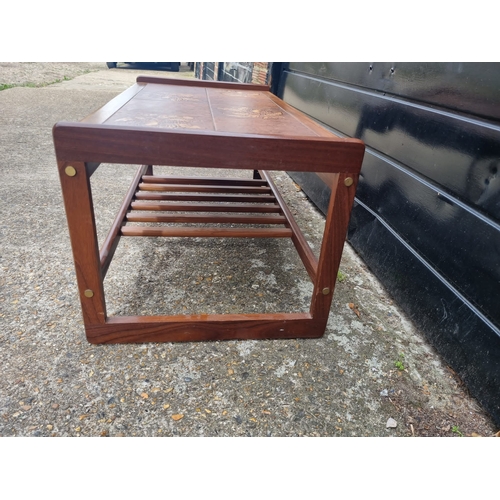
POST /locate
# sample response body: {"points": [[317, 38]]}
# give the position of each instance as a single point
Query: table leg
{"points": [[339, 210], [77, 197]]}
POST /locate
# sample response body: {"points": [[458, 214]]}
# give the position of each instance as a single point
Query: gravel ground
{"points": [[372, 374]]}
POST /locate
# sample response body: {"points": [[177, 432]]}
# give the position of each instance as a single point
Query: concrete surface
{"points": [[372, 374]]}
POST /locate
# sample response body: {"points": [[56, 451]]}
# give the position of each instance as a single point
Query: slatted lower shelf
{"points": [[191, 194], [167, 206]]}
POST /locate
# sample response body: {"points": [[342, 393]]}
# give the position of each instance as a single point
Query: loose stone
{"points": [[391, 424]]}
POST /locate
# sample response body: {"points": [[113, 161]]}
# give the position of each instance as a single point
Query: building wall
{"points": [[427, 212], [242, 72]]}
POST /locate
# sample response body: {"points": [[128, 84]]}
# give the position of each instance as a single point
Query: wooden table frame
{"points": [[102, 138]]}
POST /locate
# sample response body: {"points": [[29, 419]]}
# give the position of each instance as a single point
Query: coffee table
{"points": [[202, 124]]}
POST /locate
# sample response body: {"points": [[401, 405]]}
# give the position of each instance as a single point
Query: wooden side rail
{"points": [[188, 148], [304, 250], [204, 327], [200, 83], [111, 242]]}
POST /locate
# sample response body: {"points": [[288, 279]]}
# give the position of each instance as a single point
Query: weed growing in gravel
{"points": [[399, 363], [456, 430], [341, 276]]}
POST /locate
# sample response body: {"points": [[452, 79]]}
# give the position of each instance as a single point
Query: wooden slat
{"points": [[199, 207], [149, 195], [205, 219], [204, 189], [212, 232], [226, 181], [303, 249]]}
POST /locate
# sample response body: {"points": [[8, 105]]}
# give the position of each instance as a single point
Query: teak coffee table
{"points": [[192, 123]]}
